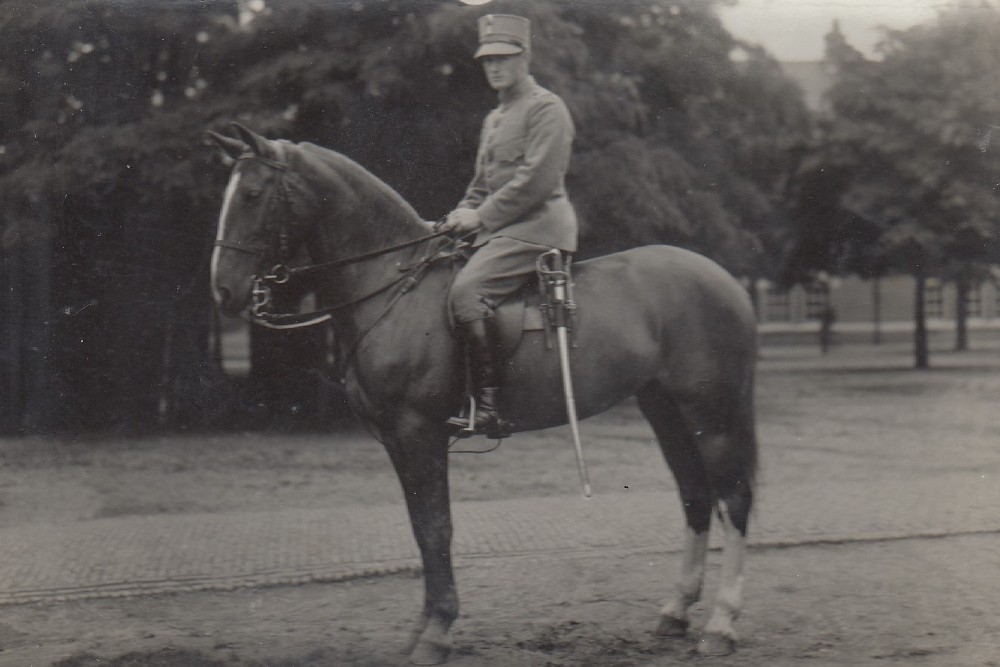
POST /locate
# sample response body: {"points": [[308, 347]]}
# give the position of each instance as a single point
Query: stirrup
{"points": [[465, 424]]}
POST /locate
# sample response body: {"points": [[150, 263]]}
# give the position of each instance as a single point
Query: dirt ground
{"points": [[859, 413]]}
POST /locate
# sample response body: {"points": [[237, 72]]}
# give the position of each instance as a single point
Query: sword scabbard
{"points": [[559, 315]]}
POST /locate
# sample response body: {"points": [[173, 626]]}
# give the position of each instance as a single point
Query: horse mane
{"points": [[359, 180]]}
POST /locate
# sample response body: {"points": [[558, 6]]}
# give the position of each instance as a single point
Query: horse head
{"points": [[291, 201], [258, 226]]}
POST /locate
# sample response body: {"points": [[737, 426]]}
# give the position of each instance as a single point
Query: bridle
{"points": [[281, 196], [262, 285]]}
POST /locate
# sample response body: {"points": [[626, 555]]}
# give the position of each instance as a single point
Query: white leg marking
{"points": [[729, 600], [234, 182], [689, 587]]}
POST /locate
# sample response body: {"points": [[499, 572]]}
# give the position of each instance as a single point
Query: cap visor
{"points": [[498, 49]]}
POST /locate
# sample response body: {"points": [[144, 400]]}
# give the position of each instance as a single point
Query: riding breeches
{"points": [[495, 271]]}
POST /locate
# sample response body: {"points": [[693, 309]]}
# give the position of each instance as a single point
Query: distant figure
{"points": [[827, 318], [516, 203]]}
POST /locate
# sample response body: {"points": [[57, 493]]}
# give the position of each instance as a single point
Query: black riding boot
{"points": [[482, 348]]}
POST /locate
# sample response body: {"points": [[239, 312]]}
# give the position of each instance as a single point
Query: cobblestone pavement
{"points": [[137, 555]]}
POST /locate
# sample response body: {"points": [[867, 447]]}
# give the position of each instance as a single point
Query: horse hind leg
{"points": [[713, 462], [730, 460], [684, 460], [719, 635]]}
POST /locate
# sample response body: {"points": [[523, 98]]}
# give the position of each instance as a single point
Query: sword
{"points": [[557, 276]]}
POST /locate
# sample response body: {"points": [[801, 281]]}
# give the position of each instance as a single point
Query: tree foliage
{"points": [[102, 152], [902, 172], [902, 176]]}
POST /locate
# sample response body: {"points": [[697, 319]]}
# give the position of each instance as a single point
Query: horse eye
{"points": [[253, 194]]}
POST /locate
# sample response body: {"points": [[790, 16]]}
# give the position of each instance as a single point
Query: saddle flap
{"points": [[518, 314], [522, 310]]}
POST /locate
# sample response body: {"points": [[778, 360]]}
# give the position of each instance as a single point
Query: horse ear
{"points": [[233, 148], [255, 141]]}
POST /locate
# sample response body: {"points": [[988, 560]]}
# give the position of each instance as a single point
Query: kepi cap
{"points": [[503, 35]]}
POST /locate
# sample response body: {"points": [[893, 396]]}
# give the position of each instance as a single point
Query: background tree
{"points": [[896, 179], [98, 163], [104, 174], [676, 142]]}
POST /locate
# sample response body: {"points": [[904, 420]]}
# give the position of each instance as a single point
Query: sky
{"points": [[793, 30]]}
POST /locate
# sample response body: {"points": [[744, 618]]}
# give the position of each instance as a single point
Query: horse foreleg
{"points": [[719, 635], [423, 473]]}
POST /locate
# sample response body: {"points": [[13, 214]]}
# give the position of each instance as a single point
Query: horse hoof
{"points": [[716, 645], [411, 643], [672, 627], [430, 653]]}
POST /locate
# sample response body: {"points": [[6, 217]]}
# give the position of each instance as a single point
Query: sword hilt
{"points": [[553, 269]]}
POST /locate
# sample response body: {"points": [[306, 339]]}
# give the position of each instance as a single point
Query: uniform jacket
{"points": [[519, 188]]}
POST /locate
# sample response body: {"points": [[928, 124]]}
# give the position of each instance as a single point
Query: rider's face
{"points": [[502, 72]]}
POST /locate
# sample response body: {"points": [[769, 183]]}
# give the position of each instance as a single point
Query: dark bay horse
{"points": [[660, 323]]}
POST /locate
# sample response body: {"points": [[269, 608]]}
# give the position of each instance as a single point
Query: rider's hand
{"points": [[462, 220]]}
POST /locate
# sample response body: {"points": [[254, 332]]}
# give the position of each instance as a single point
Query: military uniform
{"points": [[519, 193], [517, 204]]}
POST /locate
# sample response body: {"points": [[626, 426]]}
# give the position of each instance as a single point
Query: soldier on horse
{"points": [[516, 204], [662, 324]]}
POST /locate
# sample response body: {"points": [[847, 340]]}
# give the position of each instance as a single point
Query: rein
{"points": [[364, 257], [280, 275], [409, 280]]}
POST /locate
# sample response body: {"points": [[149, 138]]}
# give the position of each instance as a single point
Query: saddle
{"points": [[531, 308], [519, 313]]}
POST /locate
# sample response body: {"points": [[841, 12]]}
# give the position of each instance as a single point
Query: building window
{"points": [[779, 304], [817, 298], [933, 298], [974, 301]]}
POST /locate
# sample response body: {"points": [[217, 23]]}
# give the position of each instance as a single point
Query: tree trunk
{"points": [[12, 304], [962, 314], [920, 320], [877, 310], [754, 296], [31, 401]]}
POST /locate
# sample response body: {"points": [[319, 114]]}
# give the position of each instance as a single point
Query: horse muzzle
{"points": [[232, 297], [224, 300]]}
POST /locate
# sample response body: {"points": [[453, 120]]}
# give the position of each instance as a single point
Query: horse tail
{"points": [[733, 475]]}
